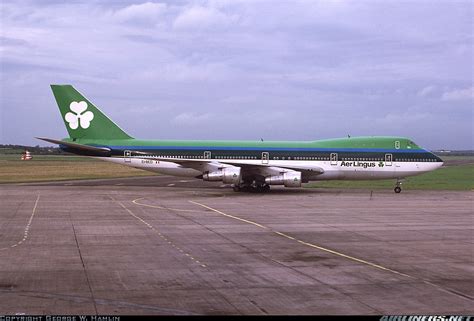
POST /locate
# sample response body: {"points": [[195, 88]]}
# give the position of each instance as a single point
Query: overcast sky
{"points": [[277, 70]]}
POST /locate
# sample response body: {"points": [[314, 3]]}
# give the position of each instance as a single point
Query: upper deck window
{"points": [[411, 144]]}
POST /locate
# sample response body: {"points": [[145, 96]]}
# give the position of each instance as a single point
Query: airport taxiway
{"points": [[162, 245]]}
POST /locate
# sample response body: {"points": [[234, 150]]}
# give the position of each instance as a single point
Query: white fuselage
{"points": [[340, 170]]}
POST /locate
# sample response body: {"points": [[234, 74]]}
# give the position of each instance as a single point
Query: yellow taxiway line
{"points": [[27, 228], [167, 240], [312, 245], [352, 258], [136, 202], [303, 242]]}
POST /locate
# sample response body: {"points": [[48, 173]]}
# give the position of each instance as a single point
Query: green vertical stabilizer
{"points": [[82, 118]]}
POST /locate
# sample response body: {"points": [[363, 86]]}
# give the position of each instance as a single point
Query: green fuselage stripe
{"points": [[347, 149]]}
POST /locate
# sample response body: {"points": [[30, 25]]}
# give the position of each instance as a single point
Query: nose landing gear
{"points": [[398, 186]]}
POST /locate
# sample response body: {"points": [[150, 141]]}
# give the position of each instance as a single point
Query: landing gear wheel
{"points": [[246, 188], [261, 188], [251, 188], [398, 185]]}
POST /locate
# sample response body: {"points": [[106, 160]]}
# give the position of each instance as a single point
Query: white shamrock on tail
{"points": [[79, 115]]}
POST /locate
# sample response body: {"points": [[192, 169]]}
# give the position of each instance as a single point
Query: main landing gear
{"points": [[398, 186], [251, 188]]}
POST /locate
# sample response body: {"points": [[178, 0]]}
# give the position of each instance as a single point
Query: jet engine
{"points": [[228, 175], [289, 179]]}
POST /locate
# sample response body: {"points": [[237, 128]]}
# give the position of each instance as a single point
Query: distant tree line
{"points": [[35, 150], [442, 153]]}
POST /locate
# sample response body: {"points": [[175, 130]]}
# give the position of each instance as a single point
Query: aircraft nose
{"points": [[439, 162]]}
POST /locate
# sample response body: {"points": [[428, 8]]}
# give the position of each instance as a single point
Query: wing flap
{"points": [[262, 169]]}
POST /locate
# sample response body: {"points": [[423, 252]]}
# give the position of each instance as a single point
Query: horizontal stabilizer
{"points": [[85, 148]]}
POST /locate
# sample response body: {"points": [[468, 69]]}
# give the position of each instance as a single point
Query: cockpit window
{"points": [[411, 144]]}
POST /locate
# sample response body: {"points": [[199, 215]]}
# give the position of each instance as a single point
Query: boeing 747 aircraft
{"points": [[247, 165]]}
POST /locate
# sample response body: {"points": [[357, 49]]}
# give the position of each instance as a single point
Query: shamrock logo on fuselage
{"points": [[79, 116]]}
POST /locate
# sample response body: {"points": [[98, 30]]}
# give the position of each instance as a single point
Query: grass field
{"points": [[455, 177], [54, 168], [458, 174]]}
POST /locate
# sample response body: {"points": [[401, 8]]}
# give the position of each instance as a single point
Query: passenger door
{"points": [[333, 158], [388, 159], [127, 156], [265, 157]]}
